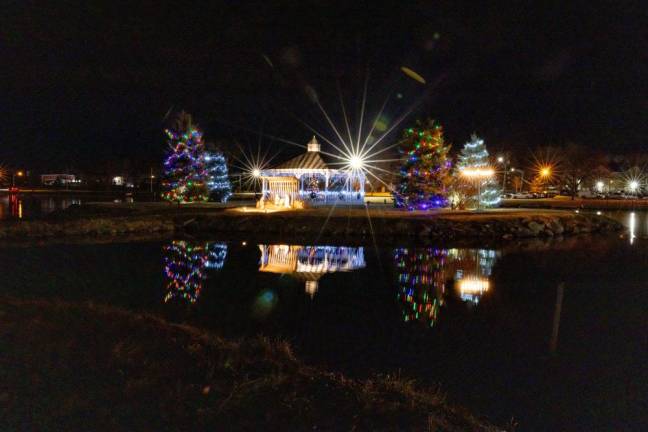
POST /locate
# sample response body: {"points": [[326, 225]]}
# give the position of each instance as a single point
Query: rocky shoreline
{"points": [[341, 224], [505, 227]]}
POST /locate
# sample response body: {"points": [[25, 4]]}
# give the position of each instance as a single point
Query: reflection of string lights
{"points": [[471, 289], [632, 227], [422, 274], [473, 268], [421, 283], [185, 264], [310, 263]]}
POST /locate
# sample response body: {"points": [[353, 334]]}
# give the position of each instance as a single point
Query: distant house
{"points": [[55, 179]]}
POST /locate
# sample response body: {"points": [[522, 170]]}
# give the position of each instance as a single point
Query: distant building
{"points": [[62, 179]]}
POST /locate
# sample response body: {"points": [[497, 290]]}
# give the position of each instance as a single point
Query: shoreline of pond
{"points": [[111, 219], [217, 381]]}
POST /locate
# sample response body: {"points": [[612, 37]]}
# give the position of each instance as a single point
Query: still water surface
{"points": [[553, 335], [35, 206]]}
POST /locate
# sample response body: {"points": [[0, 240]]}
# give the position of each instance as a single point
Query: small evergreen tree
{"points": [[185, 174], [425, 170], [474, 155], [217, 180]]}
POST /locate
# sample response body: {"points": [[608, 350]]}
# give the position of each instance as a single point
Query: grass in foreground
{"points": [[85, 367]]}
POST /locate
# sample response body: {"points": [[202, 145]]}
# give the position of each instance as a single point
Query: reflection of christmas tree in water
{"points": [[216, 254], [422, 273], [472, 269], [185, 265], [421, 283]]}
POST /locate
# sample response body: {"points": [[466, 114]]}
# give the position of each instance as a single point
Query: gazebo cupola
{"points": [[313, 145]]}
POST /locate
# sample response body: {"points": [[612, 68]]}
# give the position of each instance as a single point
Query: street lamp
{"points": [[502, 160], [521, 177], [13, 177], [633, 185], [478, 174], [599, 186]]}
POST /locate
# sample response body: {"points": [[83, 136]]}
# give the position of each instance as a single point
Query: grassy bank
{"points": [[86, 367]]}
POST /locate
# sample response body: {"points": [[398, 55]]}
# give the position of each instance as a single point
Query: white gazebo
{"points": [[308, 179]]}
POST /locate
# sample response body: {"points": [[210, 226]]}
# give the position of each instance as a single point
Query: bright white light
{"points": [[500, 159], [256, 172], [477, 172], [634, 185], [356, 162], [473, 285], [599, 186]]}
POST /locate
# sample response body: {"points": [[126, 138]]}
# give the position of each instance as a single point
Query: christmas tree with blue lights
{"points": [[185, 173], [474, 155], [425, 171], [217, 180]]}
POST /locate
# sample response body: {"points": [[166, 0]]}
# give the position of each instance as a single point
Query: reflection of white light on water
{"points": [[632, 225], [472, 288], [311, 288], [310, 263]]}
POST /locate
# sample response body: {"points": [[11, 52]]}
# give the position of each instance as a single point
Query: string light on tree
{"points": [[217, 179], [185, 173], [425, 171], [473, 164]]}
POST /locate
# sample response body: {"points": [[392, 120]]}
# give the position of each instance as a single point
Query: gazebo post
{"points": [[326, 180]]}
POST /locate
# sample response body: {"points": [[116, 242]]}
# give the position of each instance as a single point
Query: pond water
{"points": [[552, 334], [34, 206]]}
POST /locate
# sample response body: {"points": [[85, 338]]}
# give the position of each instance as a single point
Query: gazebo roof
{"points": [[311, 160], [308, 160]]}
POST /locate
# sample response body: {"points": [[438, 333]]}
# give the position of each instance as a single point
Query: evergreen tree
{"points": [[217, 180], [185, 173], [474, 155], [425, 170]]}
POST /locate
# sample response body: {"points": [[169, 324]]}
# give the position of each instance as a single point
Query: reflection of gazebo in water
{"points": [[309, 179], [310, 263]]}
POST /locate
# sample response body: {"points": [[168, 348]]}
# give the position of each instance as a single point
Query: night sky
{"points": [[86, 81]]}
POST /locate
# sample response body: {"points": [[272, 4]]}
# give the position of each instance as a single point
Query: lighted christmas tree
{"points": [[217, 180], [185, 173], [425, 171], [474, 155]]}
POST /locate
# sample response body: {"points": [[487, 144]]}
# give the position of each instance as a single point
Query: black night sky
{"points": [[87, 81]]}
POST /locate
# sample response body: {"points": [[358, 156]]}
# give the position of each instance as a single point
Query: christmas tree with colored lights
{"points": [[185, 173], [217, 180], [425, 171], [474, 155]]}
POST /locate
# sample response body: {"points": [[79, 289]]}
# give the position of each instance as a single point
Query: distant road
{"points": [[578, 203]]}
